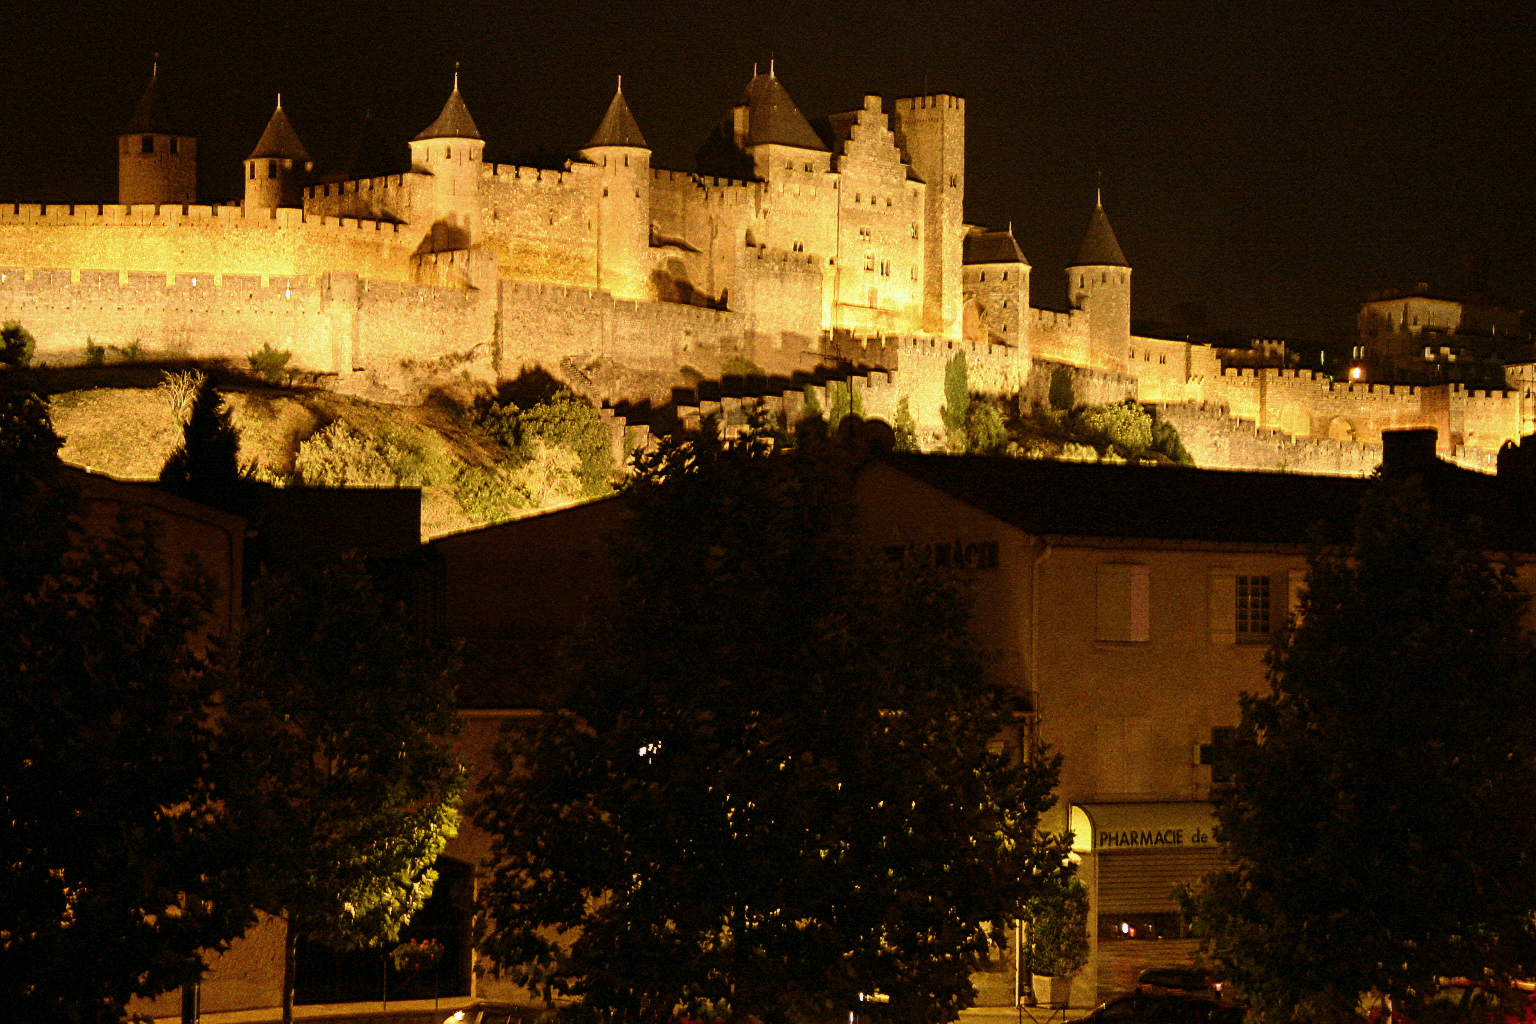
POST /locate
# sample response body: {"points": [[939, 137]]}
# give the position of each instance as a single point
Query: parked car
{"points": [[486, 1011], [1165, 1008], [1192, 981], [1468, 1002]]}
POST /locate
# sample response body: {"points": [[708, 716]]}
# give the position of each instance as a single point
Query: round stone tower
{"points": [[277, 168], [449, 150], [622, 196], [1099, 283], [155, 164]]}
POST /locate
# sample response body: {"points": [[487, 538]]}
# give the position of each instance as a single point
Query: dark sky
{"points": [[1271, 162]]}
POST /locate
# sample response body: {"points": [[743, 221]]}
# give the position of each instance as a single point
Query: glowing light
{"points": [[1356, 372]]}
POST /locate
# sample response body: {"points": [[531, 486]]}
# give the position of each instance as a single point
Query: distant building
{"points": [[1418, 336]]}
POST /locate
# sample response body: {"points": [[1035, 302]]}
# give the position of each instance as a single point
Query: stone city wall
{"points": [[203, 240], [1216, 440]]}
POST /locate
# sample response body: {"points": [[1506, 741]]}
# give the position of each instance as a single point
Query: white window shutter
{"points": [[1296, 584], [1223, 606]]}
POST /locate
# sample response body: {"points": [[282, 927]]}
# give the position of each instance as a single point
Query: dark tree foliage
{"points": [[110, 881], [206, 465], [1381, 817], [342, 782], [16, 345], [768, 783]]}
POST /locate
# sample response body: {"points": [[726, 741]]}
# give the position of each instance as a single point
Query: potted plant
{"points": [[418, 955], [1058, 939]]}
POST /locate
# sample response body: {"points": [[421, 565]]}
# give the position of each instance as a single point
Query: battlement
{"points": [[931, 101], [1051, 319], [549, 296], [531, 175], [130, 286], [354, 186], [764, 260], [171, 216]]}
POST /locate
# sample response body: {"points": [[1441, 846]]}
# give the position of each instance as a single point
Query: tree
{"points": [[766, 786], [957, 400], [1380, 822], [206, 465], [111, 878], [345, 788], [16, 345]]}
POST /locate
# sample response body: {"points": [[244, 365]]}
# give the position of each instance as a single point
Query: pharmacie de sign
{"points": [[1160, 826]]}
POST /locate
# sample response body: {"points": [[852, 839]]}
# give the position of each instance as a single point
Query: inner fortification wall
{"points": [[202, 240]]}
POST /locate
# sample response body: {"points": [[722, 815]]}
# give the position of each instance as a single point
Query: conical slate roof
{"points": [[454, 122], [1099, 248], [279, 141], [150, 117], [773, 117], [618, 127]]}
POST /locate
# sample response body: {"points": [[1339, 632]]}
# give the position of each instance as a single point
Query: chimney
{"points": [[1405, 452]]}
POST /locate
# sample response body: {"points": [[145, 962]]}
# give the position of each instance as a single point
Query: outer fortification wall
{"points": [[1218, 441], [543, 324], [196, 316], [1089, 387], [201, 240]]}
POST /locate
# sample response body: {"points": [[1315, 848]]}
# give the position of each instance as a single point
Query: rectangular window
{"points": [[1252, 606], [1122, 603], [869, 263], [175, 148], [271, 168], [147, 144]]}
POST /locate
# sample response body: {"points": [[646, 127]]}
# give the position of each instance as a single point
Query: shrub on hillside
{"points": [[1127, 426], [563, 422], [338, 456], [269, 362]]}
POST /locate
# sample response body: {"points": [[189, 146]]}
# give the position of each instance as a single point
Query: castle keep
{"points": [[825, 250]]}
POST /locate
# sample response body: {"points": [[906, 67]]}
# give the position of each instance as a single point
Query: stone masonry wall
{"points": [[203, 240], [1218, 441]]}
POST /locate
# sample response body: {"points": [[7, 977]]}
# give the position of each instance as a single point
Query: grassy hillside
{"points": [[478, 456]]}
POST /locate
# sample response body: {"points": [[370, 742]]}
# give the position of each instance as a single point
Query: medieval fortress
{"points": [[821, 257]]}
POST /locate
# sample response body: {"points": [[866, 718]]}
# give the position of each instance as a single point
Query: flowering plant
{"points": [[417, 954]]}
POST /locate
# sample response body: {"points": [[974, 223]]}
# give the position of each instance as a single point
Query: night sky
{"points": [[1269, 163]]}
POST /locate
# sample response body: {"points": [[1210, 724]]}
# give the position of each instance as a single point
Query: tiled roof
{"points": [[279, 140], [453, 123], [773, 118], [1178, 504], [992, 247], [618, 127]]}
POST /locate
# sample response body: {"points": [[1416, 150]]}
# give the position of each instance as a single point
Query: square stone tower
{"points": [[931, 130]]}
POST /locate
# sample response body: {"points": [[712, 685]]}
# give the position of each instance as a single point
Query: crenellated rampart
{"points": [[201, 240]]}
